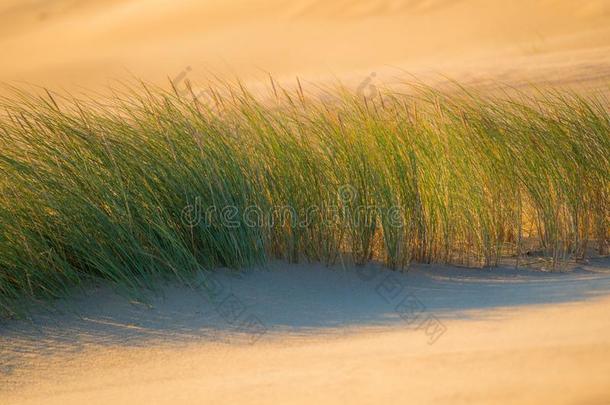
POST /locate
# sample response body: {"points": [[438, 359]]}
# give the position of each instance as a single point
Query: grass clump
{"points": [[150, 184]]}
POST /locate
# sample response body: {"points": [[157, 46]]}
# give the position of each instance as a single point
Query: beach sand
{"points": [[73, 45], [307, 333], [325, 335]]}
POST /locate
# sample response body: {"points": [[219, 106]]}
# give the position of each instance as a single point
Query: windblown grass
{"points": [[100, 189]]}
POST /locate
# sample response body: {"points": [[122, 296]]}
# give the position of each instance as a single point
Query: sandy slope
{"points": [[76, 42], [554, 355], [330, 336]]}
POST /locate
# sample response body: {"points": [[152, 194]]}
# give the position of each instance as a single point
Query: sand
{"points": [[69, 44], [306, 333], [325, 335]]}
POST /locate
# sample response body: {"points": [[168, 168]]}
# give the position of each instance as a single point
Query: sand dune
{"points": [[330, 336], [80, 43]]}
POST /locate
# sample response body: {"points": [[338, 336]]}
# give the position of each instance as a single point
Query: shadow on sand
{"points": [[295, 299]]}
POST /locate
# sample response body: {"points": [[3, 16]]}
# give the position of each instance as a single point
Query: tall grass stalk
{"points": [[94, 189]]}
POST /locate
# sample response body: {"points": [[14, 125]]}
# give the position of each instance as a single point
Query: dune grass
{"points": [[150, 184]]}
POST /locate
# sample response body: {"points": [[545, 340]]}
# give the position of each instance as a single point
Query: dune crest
{"points": [[77, 43]]}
